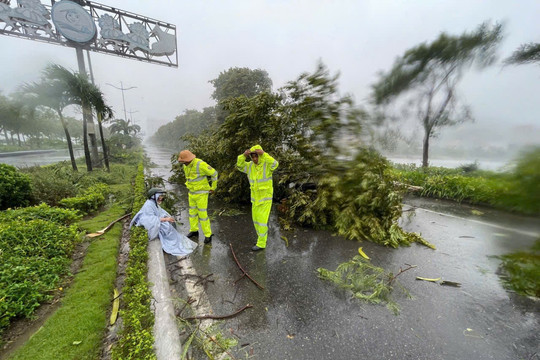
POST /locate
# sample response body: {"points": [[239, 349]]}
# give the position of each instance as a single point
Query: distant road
{"points": [[27, 152], [28, 158]]}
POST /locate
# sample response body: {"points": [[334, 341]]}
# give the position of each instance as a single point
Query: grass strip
{"points": [[75, 330], [136, 338]]}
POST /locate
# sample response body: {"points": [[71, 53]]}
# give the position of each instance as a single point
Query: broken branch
{"points": [[244, 271], [217, 317]]}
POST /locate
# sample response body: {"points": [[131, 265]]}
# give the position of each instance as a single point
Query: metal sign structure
{"points": [[91, 26]]}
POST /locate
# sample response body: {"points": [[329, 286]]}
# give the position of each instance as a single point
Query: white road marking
{"points": [[202, 305], [518, 231]]}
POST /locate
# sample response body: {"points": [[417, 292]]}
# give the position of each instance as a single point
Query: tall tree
{"points": [[240, 81], [53, 95], [80, 91], [427, 76], [525, 54]]}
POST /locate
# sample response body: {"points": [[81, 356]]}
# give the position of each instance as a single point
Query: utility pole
{"points": [[88, 122], [131, 116], [123, 99]]}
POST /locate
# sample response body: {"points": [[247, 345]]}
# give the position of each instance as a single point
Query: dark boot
{"points": [[208, 239], [192, 234], [256, 248]]}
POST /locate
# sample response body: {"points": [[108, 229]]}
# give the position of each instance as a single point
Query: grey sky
{"points": [[357, 38]]}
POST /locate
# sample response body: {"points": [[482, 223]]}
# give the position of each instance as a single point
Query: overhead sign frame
{"points": [[117, 32]]}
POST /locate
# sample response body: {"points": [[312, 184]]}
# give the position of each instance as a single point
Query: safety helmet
{"points": [[154, 191], [186, 156]]}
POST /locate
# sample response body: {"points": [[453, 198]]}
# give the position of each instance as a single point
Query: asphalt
{"points": [[299, 316]]}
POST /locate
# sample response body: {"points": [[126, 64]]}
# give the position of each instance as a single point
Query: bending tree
{"points": [[60, 88], [525, 54], [427, 76]]}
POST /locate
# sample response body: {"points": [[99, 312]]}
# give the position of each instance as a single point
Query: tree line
{"points": [[422, 84], [36, 111]]}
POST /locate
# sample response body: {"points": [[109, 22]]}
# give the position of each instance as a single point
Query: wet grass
{"points": [[522, 271], [75, 330]]}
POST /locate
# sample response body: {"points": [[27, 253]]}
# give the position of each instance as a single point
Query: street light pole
{"points": [[131, 115], [123, 99]]}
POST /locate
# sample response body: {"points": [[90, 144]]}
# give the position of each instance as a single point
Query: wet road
{"points": [[299, 316], [23, 159]]}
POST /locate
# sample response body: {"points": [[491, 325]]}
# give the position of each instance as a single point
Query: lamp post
{"points": [[123, 99], [131, 115]]}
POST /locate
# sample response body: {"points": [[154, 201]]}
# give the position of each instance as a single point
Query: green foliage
{"points": [[429, 73], [15, 187], [136, 339], [523, 271], [517, 191], [524, 192], [86, 301], [207, 343], [192, 122], [298, 125], [302, 126], [446, 55], [525, 54], [34, 255], [50, 184], [43, 212], [357, 199], [237, 82], [89, 201], [367, 282]]}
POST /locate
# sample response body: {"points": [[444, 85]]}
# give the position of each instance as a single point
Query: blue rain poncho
{"points": [[172, 241]]}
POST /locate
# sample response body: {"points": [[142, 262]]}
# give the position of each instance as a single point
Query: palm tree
{"points": [[60, 88], [53, 95], [120, 126], [104, 113]]}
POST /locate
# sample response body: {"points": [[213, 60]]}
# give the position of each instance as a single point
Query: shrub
{"points": [[523, 271], [43, 212], [358, 200], [15, 187], [33, 256], [50, 184], [91, 199]]}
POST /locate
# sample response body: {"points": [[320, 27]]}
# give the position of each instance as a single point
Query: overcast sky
{"points": [[287, 37]]}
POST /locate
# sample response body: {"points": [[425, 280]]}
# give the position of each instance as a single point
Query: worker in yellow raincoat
{"points": [[197, 172], [259, 172]]}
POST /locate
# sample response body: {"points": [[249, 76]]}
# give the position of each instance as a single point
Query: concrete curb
{"points": [[166, 336]]}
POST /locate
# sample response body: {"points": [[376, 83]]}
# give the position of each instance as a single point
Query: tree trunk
{"points": [[70, 145], [425, 149], [85, 142], [19, 138], [103, 145]]}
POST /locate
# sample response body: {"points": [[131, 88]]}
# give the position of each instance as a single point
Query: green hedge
{"points": [[91, 200], [43, 212], [15, 187], [34, 255], [136, 338], [517, 191]]}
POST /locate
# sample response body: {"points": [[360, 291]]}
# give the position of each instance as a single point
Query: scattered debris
{"points": [[217, 317], [244, 271], [436, 280], [116, 306], [472, 333], [362, 253], [477, 212], [401, 271], [284, 238], [104, 230], [230, 212]]}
